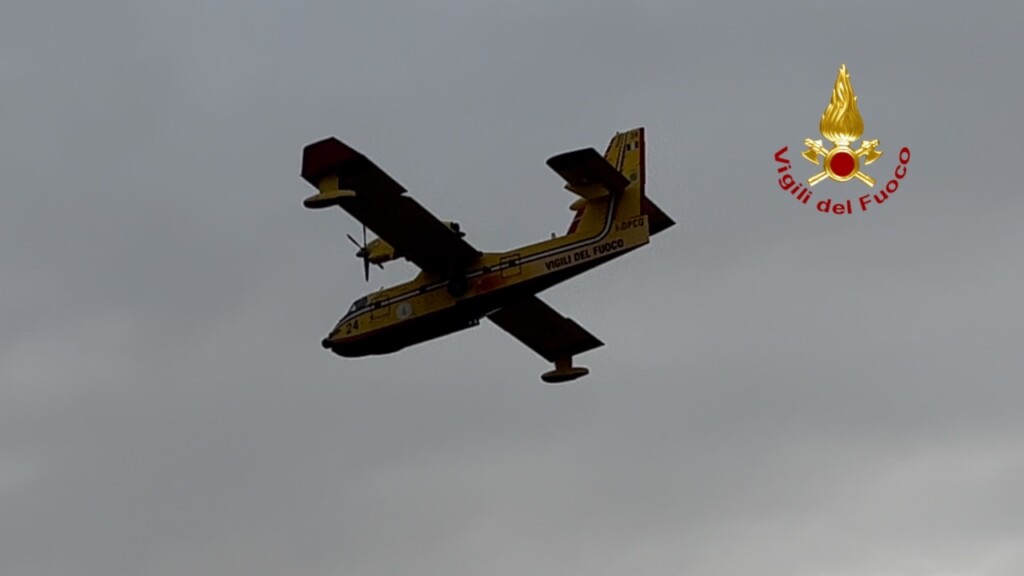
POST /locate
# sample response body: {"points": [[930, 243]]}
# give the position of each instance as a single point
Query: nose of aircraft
{"points": [[340, 345], [332, 339]]}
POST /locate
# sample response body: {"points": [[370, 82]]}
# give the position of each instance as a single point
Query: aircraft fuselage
{"points": [[429, 307]]}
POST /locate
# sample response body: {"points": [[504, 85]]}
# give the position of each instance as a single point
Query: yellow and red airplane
{"points": [[458, 284]]}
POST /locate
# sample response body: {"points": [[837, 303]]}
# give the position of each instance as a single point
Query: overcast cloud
{"points": [[782, 391]]}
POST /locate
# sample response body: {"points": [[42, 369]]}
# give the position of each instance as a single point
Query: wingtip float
{"points": [[459, 285]]}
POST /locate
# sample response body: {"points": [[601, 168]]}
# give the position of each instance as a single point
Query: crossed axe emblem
{"points": [[815, 150]]}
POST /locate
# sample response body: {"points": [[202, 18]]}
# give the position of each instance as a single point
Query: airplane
{"points": [[459, 285]]}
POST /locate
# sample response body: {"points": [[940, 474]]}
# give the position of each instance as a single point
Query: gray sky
{"points": [[782, 392]]}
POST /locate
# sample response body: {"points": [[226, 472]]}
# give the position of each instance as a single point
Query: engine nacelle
{"points": [[378, 251]]}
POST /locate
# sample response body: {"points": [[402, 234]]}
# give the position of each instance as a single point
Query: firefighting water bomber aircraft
{"points": [[458, 284]]}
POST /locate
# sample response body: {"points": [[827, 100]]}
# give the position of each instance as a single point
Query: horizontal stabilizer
{"points": [[656, 219], [588, 173]]}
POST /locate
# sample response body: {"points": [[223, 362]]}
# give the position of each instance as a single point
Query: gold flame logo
{"points": [[841, 124]]}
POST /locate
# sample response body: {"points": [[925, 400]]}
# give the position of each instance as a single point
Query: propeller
{"points": [[363, 253]]}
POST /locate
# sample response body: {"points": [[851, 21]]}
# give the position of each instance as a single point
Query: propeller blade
{"points": [[363, 254]]}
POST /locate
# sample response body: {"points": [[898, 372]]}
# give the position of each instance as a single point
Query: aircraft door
{"points": [[381, 309], [510, 266]]}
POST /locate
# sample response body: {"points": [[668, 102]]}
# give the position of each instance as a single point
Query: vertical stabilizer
{"points": [[619, 180], [626, 153]]}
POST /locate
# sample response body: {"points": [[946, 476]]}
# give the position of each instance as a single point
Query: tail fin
{"points": [[624, 159], [626, 153]]}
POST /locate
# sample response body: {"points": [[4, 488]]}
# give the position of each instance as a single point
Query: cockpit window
{"points": [[358, 305]]}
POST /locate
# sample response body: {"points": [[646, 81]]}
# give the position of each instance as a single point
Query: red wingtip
{"points": [[323, 158]]}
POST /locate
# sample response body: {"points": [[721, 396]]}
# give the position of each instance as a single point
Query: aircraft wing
{"points": [[381, 204], [543, 329]]}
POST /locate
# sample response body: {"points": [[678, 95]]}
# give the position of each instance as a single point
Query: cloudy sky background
{"points": [[782, 391]]}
